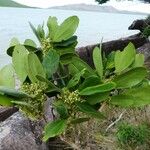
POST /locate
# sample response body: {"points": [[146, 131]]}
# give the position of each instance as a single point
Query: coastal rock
{"points": [[18, 133], [139, 24], [85, 53], [6, 112]]}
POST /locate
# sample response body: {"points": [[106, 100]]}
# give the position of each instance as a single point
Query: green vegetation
{"points": [[11, 3], [131, 136], [56, 70]]}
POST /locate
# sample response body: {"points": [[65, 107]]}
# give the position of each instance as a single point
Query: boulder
{"points": [[6, 112], [140, 24], [19, 133], [85, 53]]}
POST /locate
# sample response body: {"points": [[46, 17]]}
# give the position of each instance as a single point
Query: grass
{"points": [[92, 135]]}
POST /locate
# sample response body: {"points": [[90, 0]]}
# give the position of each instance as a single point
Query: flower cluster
{"points": [[46, 45], [36, 102]]}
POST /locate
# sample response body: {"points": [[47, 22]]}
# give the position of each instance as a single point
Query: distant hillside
{"points": [[10, 3], [94, 8]]}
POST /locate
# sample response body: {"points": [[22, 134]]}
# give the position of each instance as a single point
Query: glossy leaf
{"points": [[52, 26], [34, 67], [66, 29], [110, 60], [90, 81], [49, 83], [125, 58], [7, 76], [35, 31], [101, 88], [139, 60], [13, 92], [19, 61], [61, 109], [75, 79], [97, 98], [89, 110], [67, 42], [6, 101], [29, 42], [54, 128], [130, 78], [41, 32], [13, 43], [136, 97], [51, 63], [97, 59], [79, 65]]}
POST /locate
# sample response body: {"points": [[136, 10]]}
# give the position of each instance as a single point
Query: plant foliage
{"points": [[55, 70]]}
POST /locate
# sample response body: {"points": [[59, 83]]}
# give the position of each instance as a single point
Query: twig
{"points": [[113, 123]]}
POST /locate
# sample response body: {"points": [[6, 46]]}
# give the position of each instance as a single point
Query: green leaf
{"points": [[79, 120], [34, 67], [101, 88], [90, 81], [130, 78], [97, 59], [7, 76], [35, 32], [139, 61], [5, 101], [66, 29], [13, 43], [136, 97], [97, 98], [61, 109], [13, 92], [79, 65], [49, 83], [52, 26], [29, 42], [75, 79], [19, 61], [123, 100], [125, 58], [41, 32], [51, 63], [110, 60], [66, 59], [89, 110], [67, 42], [21, 103], [54, 128]]}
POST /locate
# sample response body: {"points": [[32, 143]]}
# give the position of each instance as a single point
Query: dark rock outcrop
{"points": [[139, 24], [86, 52], [6, 112], [18, 133]]}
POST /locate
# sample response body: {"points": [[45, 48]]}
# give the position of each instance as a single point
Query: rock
{"points": [[139, 24], [6, 112], [85, 53], [18, 133], [145, 49]]}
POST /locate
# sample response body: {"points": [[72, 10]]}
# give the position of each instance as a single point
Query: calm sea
{"points": [[93, 25]]}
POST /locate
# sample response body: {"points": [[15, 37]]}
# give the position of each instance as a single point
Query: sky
{"points": [[123, 5]]}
